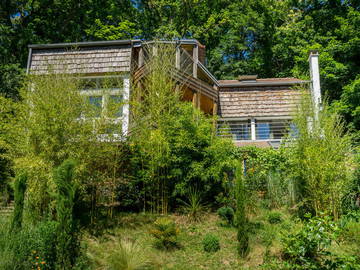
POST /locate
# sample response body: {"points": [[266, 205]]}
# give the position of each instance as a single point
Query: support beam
{"points": [[141, 57], [253, 129], [199, 100], [214, 108], [195, 59], [178, 58], [196, 100]]}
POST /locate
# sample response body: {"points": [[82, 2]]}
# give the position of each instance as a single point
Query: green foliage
{"points": [[22, 249], [165, 232], [119, 254], [321, 159], [226, 213], [19, 196], [211, 243], [193, 206], [308, 248], [274, 217], [240, 215], [11, 78], [67, 243], [176, 147]]}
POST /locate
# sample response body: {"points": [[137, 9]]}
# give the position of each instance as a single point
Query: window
{"points": [[237, 130], [263, 131], [104, 94], [271, 129]]}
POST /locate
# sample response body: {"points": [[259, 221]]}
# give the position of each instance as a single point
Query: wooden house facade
{"points": [[250, 110]]}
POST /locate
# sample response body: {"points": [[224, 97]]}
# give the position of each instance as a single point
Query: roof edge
{"points": [[240, 85], [84, 44]]}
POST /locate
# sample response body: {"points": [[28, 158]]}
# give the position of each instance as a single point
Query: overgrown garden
{"points": [[172, 195]]}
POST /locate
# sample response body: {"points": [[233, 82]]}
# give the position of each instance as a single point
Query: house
{"points": [[251, 110]]}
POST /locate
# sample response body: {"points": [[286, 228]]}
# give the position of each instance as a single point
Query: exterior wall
{"points": [[83, 60], [249, 102]]}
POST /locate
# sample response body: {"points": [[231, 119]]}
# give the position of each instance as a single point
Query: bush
{"points": [[308, 248], [226, 213], [165, 233], [29, 246], [211, 243], [274, 217]]}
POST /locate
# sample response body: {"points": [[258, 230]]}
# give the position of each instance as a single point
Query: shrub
{"points": [[118, 254], [274, 217], [193, 206], [31, 245], [308, 248], [165, 232], [226, 213], [211, 243]]}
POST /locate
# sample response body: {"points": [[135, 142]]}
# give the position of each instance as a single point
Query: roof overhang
{"points": [[256, 84]]}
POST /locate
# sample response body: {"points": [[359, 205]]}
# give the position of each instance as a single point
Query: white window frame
{"points": [[105, 93]]}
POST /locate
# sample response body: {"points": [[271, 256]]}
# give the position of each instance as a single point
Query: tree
{"points": [[240, 215], [67, 242], [19, 195]]}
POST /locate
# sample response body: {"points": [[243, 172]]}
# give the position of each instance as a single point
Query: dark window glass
{"points": [[262, 131]]}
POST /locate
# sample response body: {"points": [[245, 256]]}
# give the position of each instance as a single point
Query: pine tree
{"points": [[19, 194], [66, 239], [241, 220]]}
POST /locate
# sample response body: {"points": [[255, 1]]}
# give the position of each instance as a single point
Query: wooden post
{"points": [[195, 59], [141, 57], [178, 57], [194, 99], [155, 49], [199, 101], [214, 108]]}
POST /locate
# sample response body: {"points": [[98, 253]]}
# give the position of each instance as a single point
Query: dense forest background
{"points": [[270, 38]]}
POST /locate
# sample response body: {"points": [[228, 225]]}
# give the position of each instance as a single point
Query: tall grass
{"points": [[119, 254]]}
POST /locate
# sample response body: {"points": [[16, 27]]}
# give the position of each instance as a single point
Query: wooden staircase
{"points": [[7, 210]]}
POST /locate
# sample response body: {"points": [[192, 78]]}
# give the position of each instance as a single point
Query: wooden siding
{"points": [[258, 101], [86, 60]]}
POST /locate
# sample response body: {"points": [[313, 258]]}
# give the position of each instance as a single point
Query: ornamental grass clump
{"points": [[119, 254], [193, 206], [165, 233], [211, 243]]}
